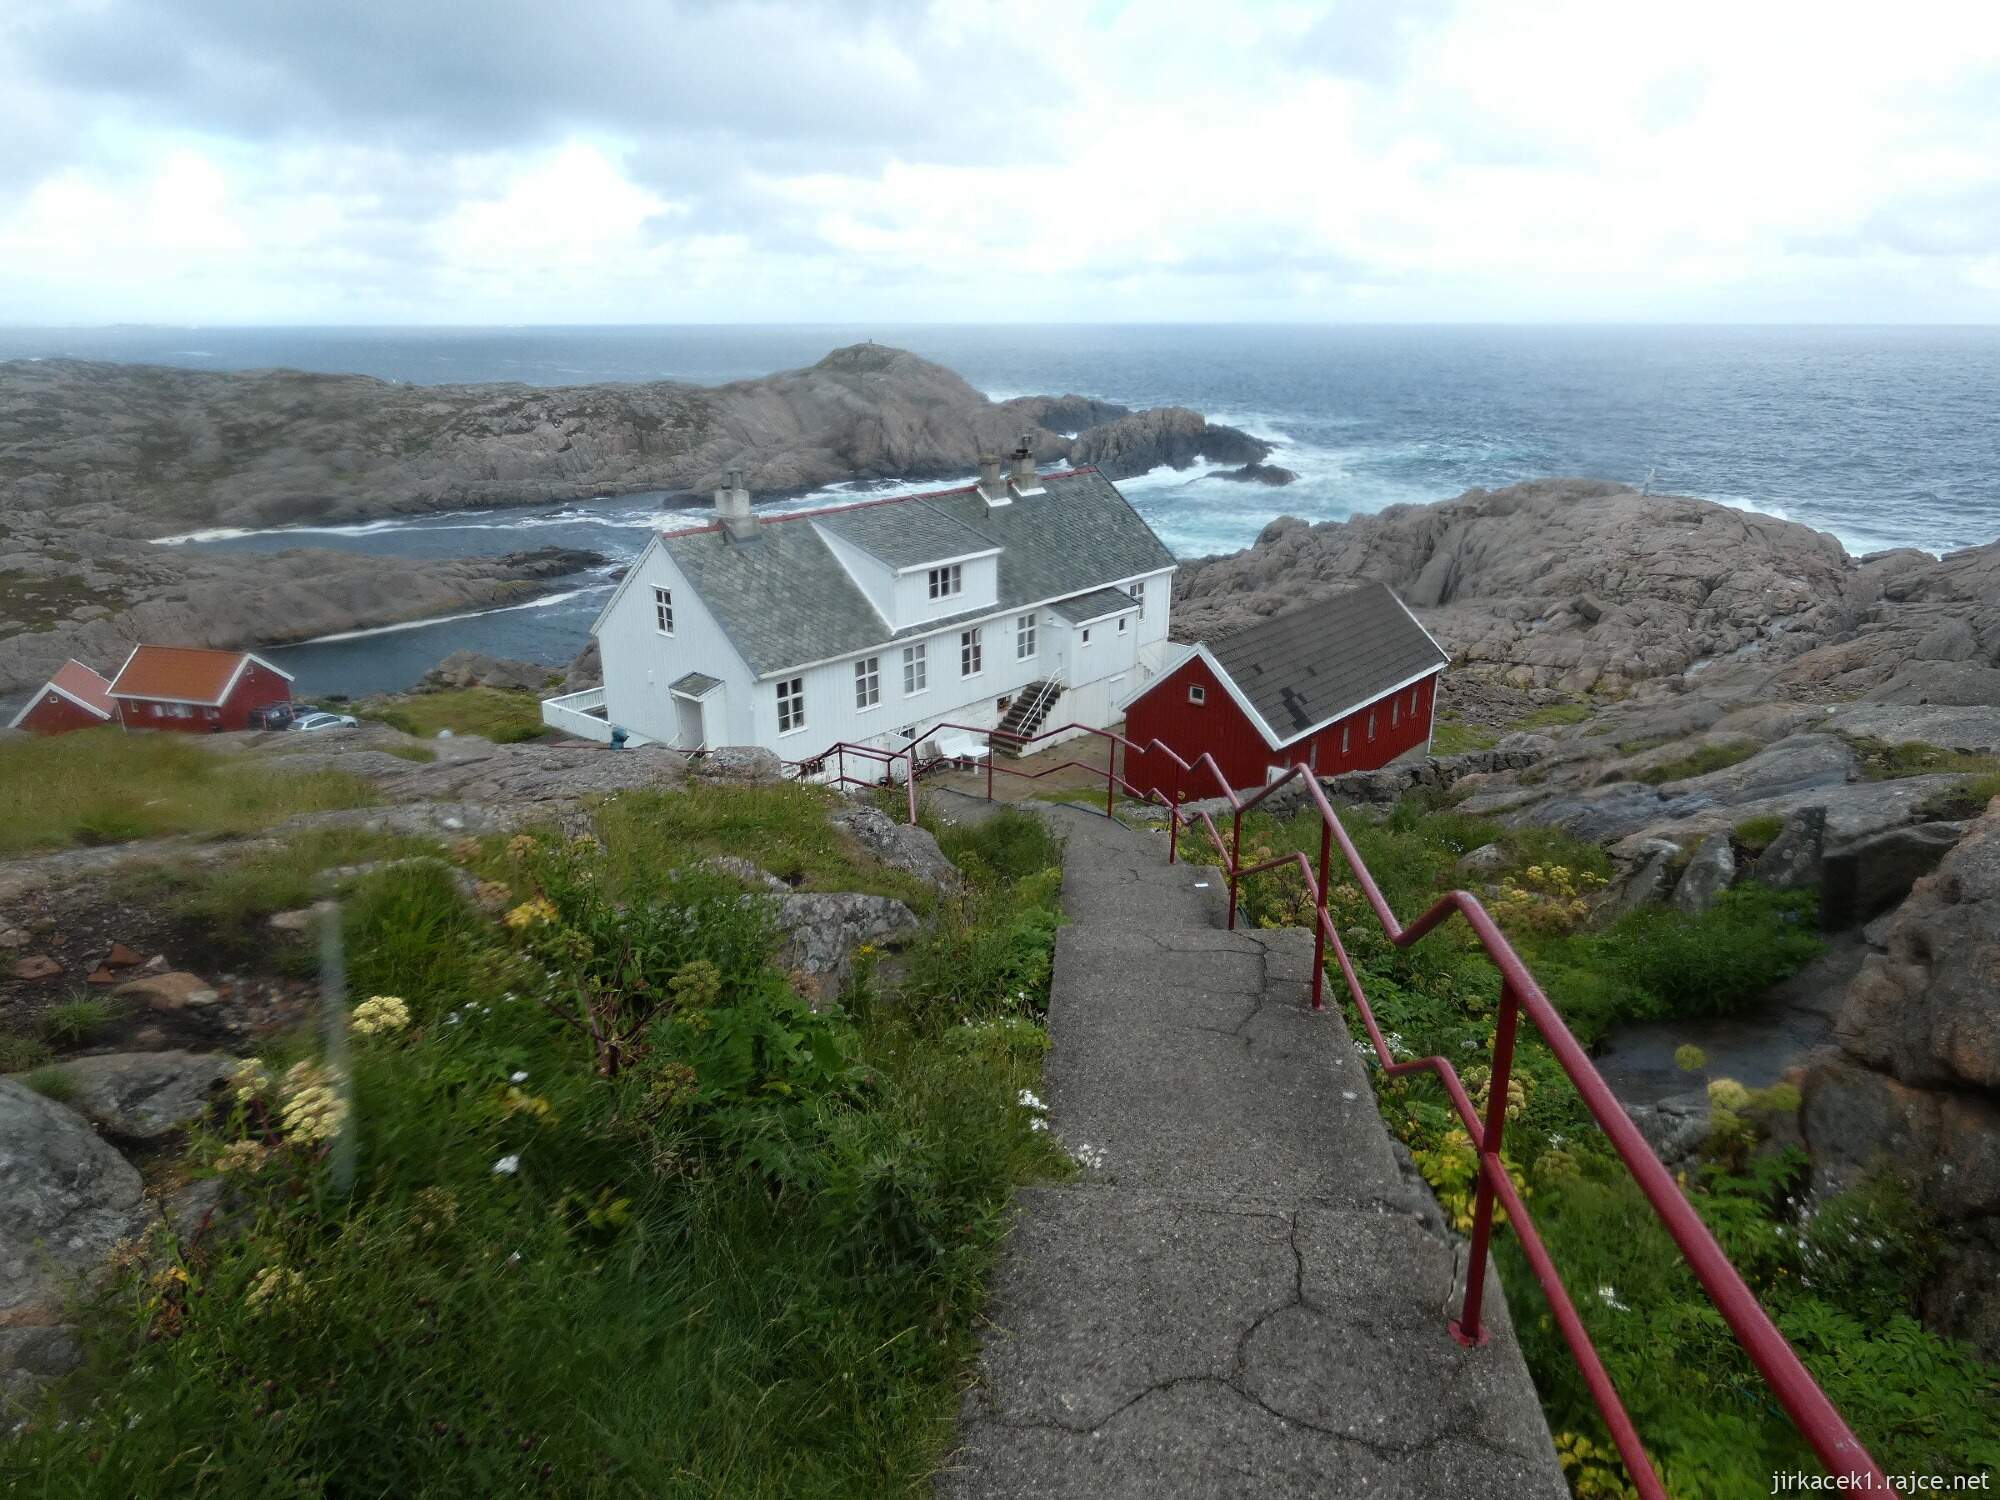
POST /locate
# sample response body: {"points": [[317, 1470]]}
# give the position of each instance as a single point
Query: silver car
{"points": [[319, 719]]}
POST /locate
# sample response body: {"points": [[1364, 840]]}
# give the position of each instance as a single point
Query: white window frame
{"points": [[1197, 694], [1027, 638], [947, 582], [867, 684], [663, 611], [971, 652], [1083, 636], [1138, 593], [916, 670], [1395, 710], [1371, 723], [791, 705], [1345, 731], [1123, 621]]}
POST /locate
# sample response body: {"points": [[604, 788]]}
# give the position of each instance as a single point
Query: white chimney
{"points": [[1023, 478], [732, 508], [992, 488]]}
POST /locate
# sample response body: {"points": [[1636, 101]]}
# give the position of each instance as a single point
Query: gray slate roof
{"points": [[1311, 664], [694, 684], [1094, 605], [784, 599], [905, 535]]}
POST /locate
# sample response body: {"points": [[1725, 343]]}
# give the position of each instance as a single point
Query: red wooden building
{"points": [[75, 698], [1346, 684], [191, 689]]}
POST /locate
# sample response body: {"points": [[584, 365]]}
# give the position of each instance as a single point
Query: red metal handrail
{"points": [[1815, 1417]]}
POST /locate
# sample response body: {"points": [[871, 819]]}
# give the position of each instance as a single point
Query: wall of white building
{"points": [[979, 588], [639, 663]]}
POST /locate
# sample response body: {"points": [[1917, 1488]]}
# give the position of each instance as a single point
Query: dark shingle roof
{"points": [[1094, 605], [1312, 664], [784, 599], [905, 535]]}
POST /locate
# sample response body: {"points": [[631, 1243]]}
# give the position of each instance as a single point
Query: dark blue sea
{"points": [[1885, 437]]}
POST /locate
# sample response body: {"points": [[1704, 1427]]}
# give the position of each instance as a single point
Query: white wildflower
{"points": [[508, 1165]]}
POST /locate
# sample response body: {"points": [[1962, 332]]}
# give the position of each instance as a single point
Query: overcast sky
{"points": [[628, 161]]}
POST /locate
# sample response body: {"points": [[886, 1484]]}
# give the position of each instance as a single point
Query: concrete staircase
{"points": [[1026, 714], [1247, 1291]]}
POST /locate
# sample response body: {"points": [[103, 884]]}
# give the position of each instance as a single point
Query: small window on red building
{"points": [[1371, 724], [1197, 693]]}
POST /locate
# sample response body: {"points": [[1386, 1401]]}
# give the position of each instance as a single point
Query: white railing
{"points": [[581, 714]]}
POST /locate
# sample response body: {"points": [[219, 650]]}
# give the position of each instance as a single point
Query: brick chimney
{"points": [[732, 508], [992, 488], [1022, 476]]}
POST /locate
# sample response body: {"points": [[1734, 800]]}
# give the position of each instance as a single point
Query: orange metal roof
{"points": [[84, 685], [179, 674]]}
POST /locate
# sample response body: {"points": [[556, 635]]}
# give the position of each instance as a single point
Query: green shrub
{"points": [[497, 714], [1699, 762], [1717, 962], [71, 1022], [1882, 761], [1755, 835], [1968, 799], [51, 1082]]}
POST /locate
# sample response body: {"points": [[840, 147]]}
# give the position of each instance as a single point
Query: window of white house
{"points": [[946, 581], [916, 674], [1025, 638], [868, 682], [1085, 638], [1371, 724], [1138, 592], [971, 653], [663, 611], [791, 704], [1197, 693], [1123, 621]]}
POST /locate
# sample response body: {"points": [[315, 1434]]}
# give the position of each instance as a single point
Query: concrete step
{"points": [[1248, 1290]]}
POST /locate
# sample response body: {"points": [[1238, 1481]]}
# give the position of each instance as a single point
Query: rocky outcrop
{"points": [[89, 596], [1915, 1083], [66, 1201], [145, 1097], [140, 448], [1589, 586], [823, 930], [900, 846], [465, 669]]}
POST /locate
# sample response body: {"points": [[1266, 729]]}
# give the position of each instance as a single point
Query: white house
{"points": [[1022, 600]]}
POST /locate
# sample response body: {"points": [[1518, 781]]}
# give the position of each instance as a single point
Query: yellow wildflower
{"points": [[275, 1284], [1727, 1093], [519, 1102], [379, 1013], [492, 895], [531, 913], [436, 1210], [249, 1079], [314, 1109], [520, 846], [241, 1156]]}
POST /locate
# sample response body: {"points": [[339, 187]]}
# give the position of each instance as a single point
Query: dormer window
{"points": [[947, 581], [1197, 693]]}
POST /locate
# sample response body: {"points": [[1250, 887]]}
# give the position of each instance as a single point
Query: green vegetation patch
{"points": [[19, 1053], [1555, 716], [1755, 835], [1699, 762], [625, 1214], [72, 1022], [1882, 761], [104, 786], [502, 716], [1454, 737], [1968, 799]]}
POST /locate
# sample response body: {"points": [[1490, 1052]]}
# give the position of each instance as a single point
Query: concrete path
{"points": [[1247, 1295]]}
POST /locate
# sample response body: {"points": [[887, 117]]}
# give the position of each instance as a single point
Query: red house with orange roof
{"points": [[75, 698], [191, 689]]}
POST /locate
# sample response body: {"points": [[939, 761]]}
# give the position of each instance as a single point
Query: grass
{"points": [[422, 755], [648, 836], [224, 908], [19, 1054], [51, 1082], [1555, 716], [1755, 835], [1454, 737], [502, 716], [746, 1263], [1699, 762], [70, 1023], [1968, 799], [1883, 761], [104, 786]]}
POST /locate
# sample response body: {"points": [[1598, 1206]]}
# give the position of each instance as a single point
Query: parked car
{"points": [[271, 716], [319, 719]]}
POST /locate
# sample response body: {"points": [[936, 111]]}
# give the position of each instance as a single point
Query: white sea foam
{"points": [[470, 614]]}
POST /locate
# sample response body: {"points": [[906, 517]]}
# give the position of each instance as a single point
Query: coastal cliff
{"points": [[141, 449]]}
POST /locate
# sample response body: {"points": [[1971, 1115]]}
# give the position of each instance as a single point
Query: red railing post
{"points": [[1235, 862], [991, 751], [1323, 916], [1467, 1330], [1111, 775], [910, 783], [840, 762], [1173, 815]]}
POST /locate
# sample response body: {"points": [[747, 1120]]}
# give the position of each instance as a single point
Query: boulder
{"points": [[1647, 881], [736, 867], [464, 669], [67, 1200], [822, 930], [37, 966], [1862, 880], [174, 990], [746, 763], [900, 846], [1710, 871], [1675, 1127], [1482, 863], [1792, 861], [146, 1097]]}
